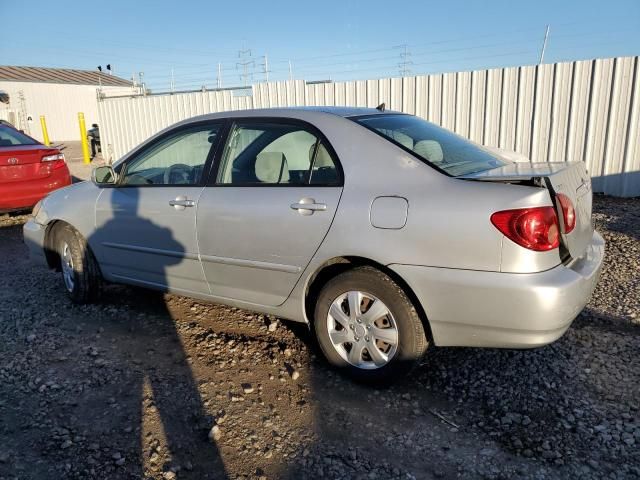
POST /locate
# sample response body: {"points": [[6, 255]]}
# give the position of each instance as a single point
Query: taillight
{"points": [[568, 212], [534, 228], [54, 161], [53, 158]]}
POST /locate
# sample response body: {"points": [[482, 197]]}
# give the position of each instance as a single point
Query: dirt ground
{"points": [[145, 385]]}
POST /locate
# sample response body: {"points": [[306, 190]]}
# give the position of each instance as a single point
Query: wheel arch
{"points": [[51, 237], [337, 265]]}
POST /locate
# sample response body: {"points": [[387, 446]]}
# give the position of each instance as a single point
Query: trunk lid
{"points": [[569, 178], [24, 162]]}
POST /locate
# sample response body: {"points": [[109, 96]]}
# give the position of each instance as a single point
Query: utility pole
{"points": [[544, 44], [133, 83], [142, 86], [290, 71], [245, 54], [405, 61], [265, 68], [219, 77]]}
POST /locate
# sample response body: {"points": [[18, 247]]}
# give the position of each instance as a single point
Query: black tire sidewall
{"points": [[412, 339], [86, 281]]}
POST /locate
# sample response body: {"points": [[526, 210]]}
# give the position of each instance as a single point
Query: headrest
{"points": [[403, 139], [430, 150], [323, 159], [271, 167]]}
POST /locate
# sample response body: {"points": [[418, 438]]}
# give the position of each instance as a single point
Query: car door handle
{"points": [[181, 202], [306, 206]]}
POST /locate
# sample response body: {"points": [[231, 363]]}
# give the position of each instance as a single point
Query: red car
{"points": [[29, 170]]}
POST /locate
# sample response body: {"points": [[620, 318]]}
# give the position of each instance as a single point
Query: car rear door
{"points": [[146, 224], [266, 212]]}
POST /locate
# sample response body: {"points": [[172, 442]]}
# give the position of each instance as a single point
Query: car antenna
{"points": [[381, 107]]}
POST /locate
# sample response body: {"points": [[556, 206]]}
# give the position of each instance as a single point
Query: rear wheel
{"points": [[80, 273], [367, 327]]}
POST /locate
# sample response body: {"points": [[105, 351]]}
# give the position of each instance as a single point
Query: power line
{"points": [[368, 61], [325, 66]]}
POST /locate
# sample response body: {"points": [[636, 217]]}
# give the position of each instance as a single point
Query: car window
{"points": [[10, 137], [275, 154], [442, 148], [176, 160]]}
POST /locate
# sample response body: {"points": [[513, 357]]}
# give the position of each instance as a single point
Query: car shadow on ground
{"points": [[159, 411], [158, 402]]}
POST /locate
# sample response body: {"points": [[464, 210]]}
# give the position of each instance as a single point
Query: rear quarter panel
{"points": [[448, 222]]}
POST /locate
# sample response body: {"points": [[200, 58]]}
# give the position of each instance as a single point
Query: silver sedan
{"points": [[383, 232]]}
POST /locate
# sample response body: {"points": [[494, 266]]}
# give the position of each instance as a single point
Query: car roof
{"points": [[345, 111], [303, 113], [308, 113]]}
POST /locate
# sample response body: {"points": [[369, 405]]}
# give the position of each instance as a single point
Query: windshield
{"points": [[10, 137], [441, 148]]}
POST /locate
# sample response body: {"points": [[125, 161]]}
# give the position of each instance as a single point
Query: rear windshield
{"points": [[439, 147], [9, 137]]}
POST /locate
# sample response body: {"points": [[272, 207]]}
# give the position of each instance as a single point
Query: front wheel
{"points": [[80, 273], [367, 326]]}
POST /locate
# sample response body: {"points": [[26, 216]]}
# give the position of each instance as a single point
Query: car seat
{"points": [[271, 167]]}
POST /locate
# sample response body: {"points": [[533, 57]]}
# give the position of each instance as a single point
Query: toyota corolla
{"points": [[383, 232]]}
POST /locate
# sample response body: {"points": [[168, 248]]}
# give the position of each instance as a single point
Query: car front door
{"points": [[268, 209], [146, 223]]}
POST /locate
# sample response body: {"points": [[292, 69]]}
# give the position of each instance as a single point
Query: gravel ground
{"points": [[160, 386]]}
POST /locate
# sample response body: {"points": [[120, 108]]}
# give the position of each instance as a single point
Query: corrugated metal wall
{"points": [[585, 110], [127, 121]]}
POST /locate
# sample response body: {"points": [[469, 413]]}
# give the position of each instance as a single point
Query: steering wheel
{"points": [[182, 169]]}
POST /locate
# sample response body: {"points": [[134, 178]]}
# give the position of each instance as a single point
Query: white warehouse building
{"points": [[59, 94]]}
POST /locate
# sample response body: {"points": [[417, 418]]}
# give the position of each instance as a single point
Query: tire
{"points": [[81, 277], [371, 332]]}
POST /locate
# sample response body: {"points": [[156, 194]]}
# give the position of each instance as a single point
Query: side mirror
{"points": [[104, 175]]}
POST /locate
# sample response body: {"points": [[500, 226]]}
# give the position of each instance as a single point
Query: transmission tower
{"points": [[405, 60], [247, 62], [265, 67]]}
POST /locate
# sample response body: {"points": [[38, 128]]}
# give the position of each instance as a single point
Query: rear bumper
{"points": [[505, 310], [34, 235], [25, 194]]}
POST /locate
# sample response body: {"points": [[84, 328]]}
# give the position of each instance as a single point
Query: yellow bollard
{"points": [[45, 133], [83, 138]]}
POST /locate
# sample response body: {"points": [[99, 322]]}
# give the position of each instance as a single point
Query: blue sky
{"points": [[345, 39]]}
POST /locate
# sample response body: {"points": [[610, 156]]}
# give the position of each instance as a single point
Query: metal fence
{"points": [[584, 110]]}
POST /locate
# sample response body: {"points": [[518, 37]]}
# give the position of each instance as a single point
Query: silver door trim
{"points": [[278, 267], [155, 251]]}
